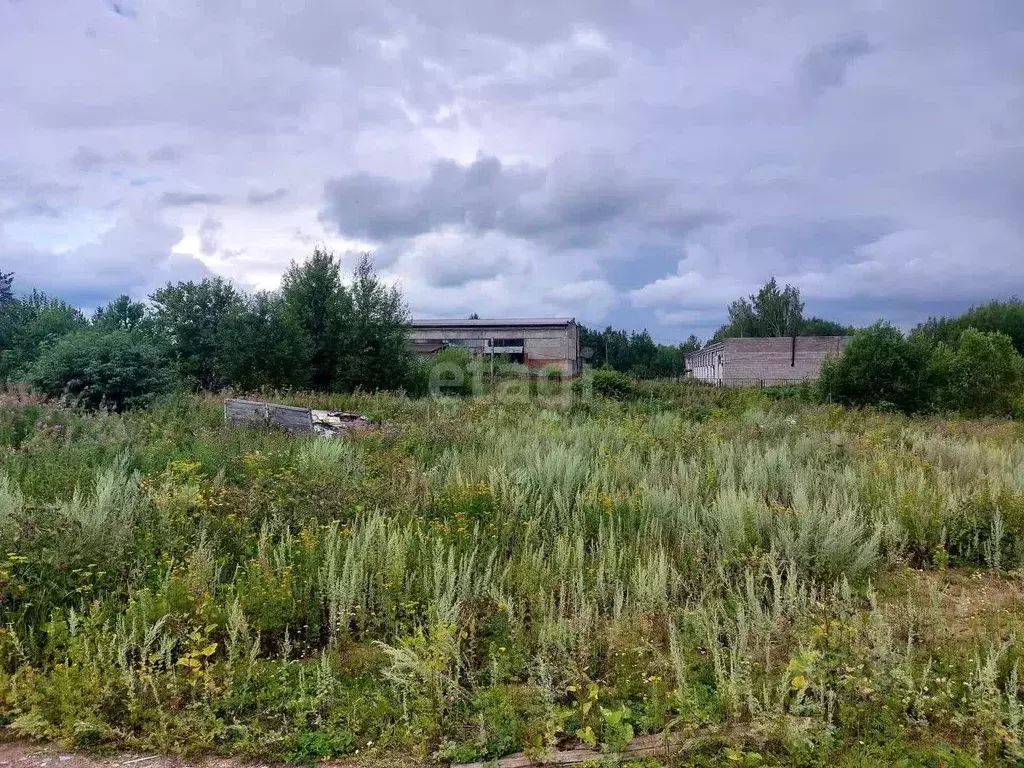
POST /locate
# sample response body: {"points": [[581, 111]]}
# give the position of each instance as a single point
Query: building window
{"points": [[511, 342]]}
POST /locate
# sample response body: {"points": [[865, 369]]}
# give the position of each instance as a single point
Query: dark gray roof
{"points": [[505, 322]]}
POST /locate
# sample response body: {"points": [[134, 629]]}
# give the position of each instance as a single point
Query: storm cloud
{"points": [[576, 202], [634, 164]]}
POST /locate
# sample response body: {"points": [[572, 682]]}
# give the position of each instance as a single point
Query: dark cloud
{"points": [[259, 197], [819, 241], [123, 9], [991, 184], [167, 153], [474, 196], [87, 160], [826, 66], [210, 231], [36, 208], [457, 268], [304, 237], [576, 202], [180, 199], [19, 199], [134, 257]]}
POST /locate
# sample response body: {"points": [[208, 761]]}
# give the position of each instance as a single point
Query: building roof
{"points": [[508, 322]]}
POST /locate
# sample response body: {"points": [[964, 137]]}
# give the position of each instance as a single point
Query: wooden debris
{"points": [[251, 413], [656, 745], [331, 423]]}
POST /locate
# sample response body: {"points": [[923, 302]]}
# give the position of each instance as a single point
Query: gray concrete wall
{"points": [[707, 364], [763, 361], [542, 345]]}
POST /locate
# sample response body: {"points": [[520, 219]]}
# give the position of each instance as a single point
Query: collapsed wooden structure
{"points": [[293, 419]]}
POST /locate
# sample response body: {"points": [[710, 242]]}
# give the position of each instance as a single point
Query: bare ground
{"points": [[21, 754], [957, 606]]}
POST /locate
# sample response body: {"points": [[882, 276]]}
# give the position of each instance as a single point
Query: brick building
{"points": [[534, 342], [763, 361]]}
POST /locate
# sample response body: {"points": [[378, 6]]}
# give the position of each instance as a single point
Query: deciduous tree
{"points": [[318, 304], [376, 353], [194, 320], [879, 367], [980, 375]]}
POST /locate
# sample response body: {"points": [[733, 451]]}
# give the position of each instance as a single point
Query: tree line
{"points": [[323, 332], [318, 331], [970, 364], [635, 354], [774, 311]]}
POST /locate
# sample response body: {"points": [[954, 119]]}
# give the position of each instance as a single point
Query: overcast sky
{"points": [[634, 162]]}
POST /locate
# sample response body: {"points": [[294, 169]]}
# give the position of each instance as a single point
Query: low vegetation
{"points": [[789, 584]]}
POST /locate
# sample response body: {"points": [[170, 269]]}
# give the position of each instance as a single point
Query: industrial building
{"points": [[763, 361], [534, 342]]}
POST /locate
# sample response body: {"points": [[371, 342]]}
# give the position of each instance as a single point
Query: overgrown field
{"points": [[796, 585]]}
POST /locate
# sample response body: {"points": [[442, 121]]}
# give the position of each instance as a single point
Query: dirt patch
{"points": [[966, 607], [20, 754]]}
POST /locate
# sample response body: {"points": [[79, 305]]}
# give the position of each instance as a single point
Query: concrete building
{"points": [[534, 342], [764, 361]]}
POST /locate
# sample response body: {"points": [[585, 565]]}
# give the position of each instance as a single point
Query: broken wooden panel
{"points": [[246, 413], [251, 413], [293, 419], [656, 745]]}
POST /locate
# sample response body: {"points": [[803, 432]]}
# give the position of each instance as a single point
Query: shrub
{"points": [[614, 384], [449, 371], [981, 375], [455, 371], [552, 373], [320, 457], [116, 370], [878, 367], [1002, 316]]}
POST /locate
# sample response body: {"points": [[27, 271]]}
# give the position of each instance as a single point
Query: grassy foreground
{"points": [[798, 585]]}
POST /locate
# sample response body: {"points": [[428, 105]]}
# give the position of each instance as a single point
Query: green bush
{"points": [[1002, 316], [314, 746], [449, 371], [981, 375], [116, 370], [456, 371], [552, 373], [879, 367], [613, 384]]}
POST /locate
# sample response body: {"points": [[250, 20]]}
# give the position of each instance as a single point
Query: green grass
{"points": [[499, 574]]}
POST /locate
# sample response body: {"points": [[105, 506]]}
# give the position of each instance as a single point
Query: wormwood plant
{"points": [[488, 578]]}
